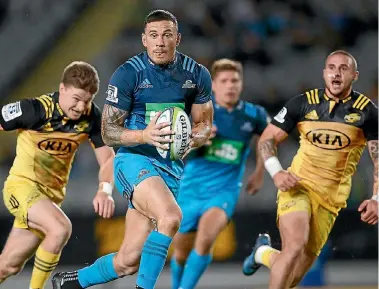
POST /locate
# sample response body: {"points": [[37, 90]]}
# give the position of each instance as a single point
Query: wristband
{"points": [[106, 188], [273, 166]]}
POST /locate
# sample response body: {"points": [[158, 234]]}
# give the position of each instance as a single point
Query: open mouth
{"points": [[336, 82]]}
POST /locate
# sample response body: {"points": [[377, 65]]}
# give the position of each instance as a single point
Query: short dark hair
{"points": [[160, 15], [344, 52]]}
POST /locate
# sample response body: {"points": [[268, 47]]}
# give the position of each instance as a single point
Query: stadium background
{"points": [[282, 45]]}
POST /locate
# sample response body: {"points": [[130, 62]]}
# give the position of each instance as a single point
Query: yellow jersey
{"points": [[47, 139], [332, 138]]}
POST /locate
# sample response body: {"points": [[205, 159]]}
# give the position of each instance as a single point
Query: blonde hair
{"points": [[226, 64], [343, 52]]}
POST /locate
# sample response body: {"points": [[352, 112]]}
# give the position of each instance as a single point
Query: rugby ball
{"points": [[181, 125]]}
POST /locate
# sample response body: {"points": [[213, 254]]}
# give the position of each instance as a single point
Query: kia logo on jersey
{"points": [[58, 146], [328, 139]]}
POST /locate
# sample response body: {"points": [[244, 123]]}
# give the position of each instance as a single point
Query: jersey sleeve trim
{"points": [[189, 64], [137, 63], [48, 105], [312, 96], [361, 102]]}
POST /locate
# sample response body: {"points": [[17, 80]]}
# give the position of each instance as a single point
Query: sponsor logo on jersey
{"points": [[328, 139], [58, 146]]}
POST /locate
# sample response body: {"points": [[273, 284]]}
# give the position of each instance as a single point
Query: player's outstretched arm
{"points": [[26, 113], [103, 202], [268, 145], [202, 118]]}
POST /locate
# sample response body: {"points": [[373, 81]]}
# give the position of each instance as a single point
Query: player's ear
{"points": [[61, 87], [356, 76], [144, 40], [213, 86], [178, 39]]}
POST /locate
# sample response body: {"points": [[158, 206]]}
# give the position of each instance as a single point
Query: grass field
{"points": [[339, 275]]}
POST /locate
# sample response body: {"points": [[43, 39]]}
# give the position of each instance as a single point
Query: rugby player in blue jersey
{"points": [[211, 181], [138, 91]]}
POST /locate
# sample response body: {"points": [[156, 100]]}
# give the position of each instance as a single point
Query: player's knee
{"points": [[169, 222], [180, 256], [294, 249], [61, 232], [127, 264], [9, 267]]}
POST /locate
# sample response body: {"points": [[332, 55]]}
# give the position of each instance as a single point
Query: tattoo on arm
{"points": [[373, 149], [112, 125], [267, 148]]}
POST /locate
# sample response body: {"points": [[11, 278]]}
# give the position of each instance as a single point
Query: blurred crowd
{"points": [[274, 37]]}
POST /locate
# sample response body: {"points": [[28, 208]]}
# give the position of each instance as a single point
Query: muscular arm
{"points": [[373, 150], [105, 157], [113, 131], [202, 118], [259, 167], [268, 142]]}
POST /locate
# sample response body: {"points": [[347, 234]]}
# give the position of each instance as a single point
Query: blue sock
{"points": [[194, 268], [100, 272], [154, 254], [176, 273]]}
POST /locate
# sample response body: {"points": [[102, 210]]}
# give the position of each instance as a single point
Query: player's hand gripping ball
{"points": [[181, 126]]}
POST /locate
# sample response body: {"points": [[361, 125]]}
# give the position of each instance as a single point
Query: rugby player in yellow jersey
{"points": [[50, 129], [335, 124]]}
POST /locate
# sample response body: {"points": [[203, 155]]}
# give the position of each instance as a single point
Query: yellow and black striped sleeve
{"points": [[26, 113], [288, 117], [370, 127], [95, 133]]}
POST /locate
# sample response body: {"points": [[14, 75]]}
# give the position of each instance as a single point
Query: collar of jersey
{"points": [[65, 118], [158, 67], [238, 106], [346, 99]]}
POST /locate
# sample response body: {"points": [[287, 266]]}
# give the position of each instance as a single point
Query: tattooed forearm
{"points": [[259, 165], [373, 149], [112, 128], [267, 148]]}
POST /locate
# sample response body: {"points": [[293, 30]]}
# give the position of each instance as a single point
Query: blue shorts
{"points": [[131, 169], [193, 208]]}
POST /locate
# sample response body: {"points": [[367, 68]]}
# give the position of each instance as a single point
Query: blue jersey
{"points": [[143, 88], [220, 166]]}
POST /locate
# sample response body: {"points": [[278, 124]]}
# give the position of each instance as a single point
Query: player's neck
{"points": [[338, 98], [228, 106]]}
